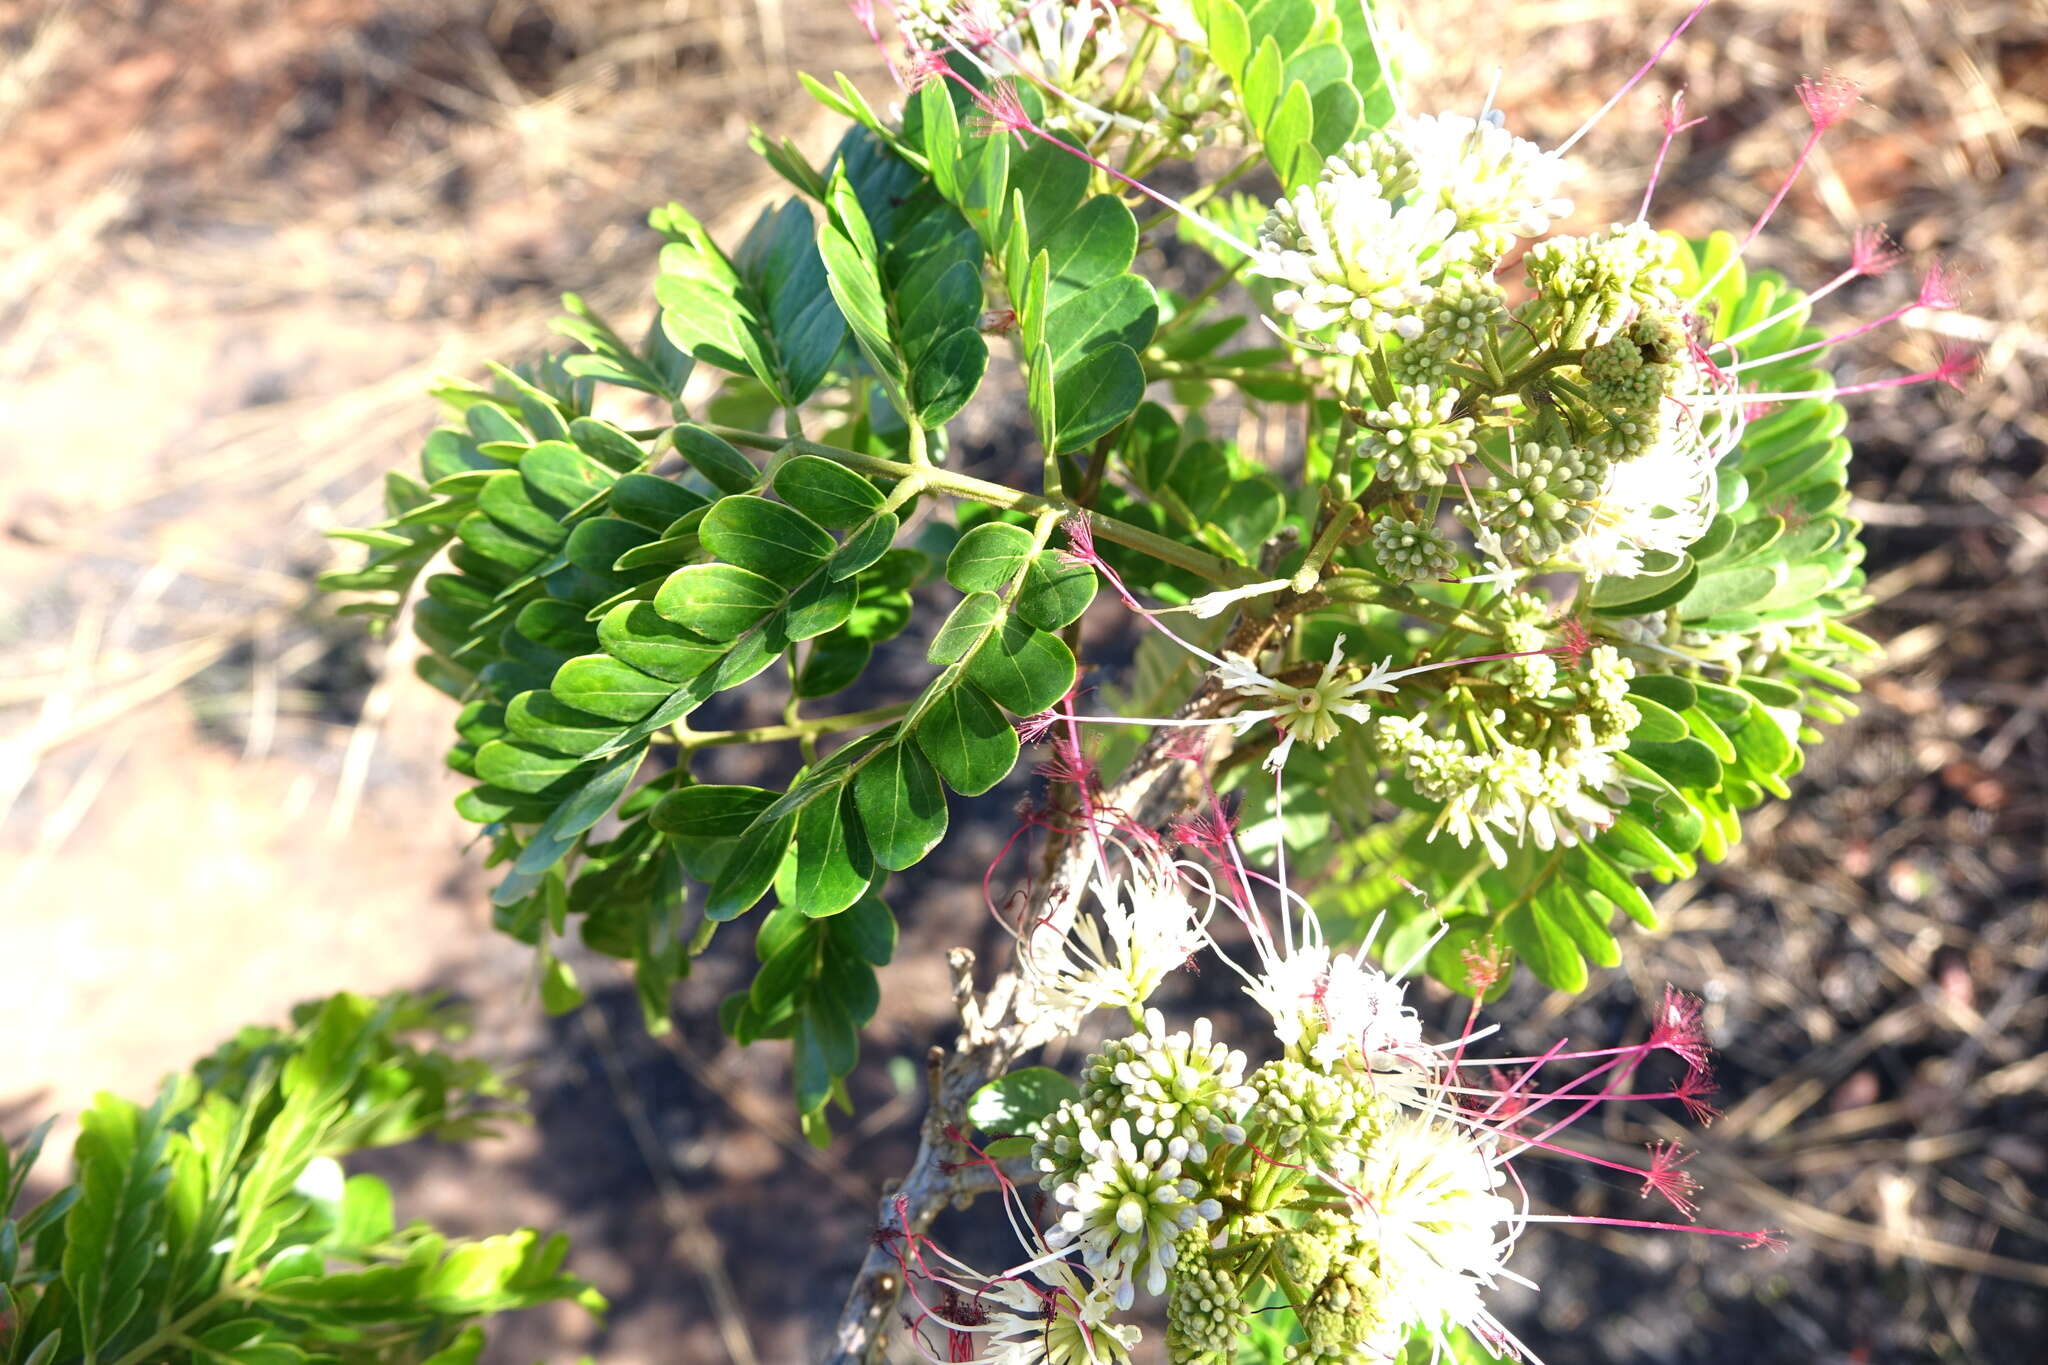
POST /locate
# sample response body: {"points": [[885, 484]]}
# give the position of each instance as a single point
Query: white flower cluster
{"points": [[1418, 209], [1139, 926], [1118, 1158], [1546, 778]]}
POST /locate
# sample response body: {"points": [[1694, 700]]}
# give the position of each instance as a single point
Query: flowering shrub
{"points": [[217, 1222], [1547, 587]]}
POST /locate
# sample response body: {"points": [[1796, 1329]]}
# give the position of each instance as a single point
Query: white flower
{"points": [[1349, 257], [1498, 186], [1213, 604], [1309, 712], [1426, 1196], [1661, 501], [1065, 1323], [1142, 926], [1074, 41], [1325, 1006]]}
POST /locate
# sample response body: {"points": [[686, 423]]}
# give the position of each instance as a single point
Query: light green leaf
{"points": [[718, 601], [1014, 1102]]}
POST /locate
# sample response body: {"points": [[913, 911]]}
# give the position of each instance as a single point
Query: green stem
{"points": [[1199, 301], [175, 1328], [799, 729], [1311, 571], [954, 484], [1194, 369]]}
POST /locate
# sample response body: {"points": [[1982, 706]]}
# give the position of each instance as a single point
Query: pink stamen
{"points": [[1957, 365], [1634, 80], [1828, 98], [1937, 291], [1578, 642], [1678, 1029], [1672, 128], [922, 66], [1692, 1092], [1760, 1237], [1032, 729], [1002, 112], [1664, 1177], [1871, 252], [1938, 287]]}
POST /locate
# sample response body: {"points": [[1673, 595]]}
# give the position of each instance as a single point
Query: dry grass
{"points": [[237, 238]]}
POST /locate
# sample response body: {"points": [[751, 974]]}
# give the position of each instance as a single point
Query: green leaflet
{"points": [[909, 281], [230, 1175], [765, 311]]}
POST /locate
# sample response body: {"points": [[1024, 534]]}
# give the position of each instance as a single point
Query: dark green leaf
{"points": [[863, 547], [818, 606], [966, 625], [767, 538], [709, 812], [967, 739], [718, 601], [1094, 394], [835, 660], [988, 557], [829, 494], [751, 869], [727, 469], [902, 807], [1056, 590], [1023, 667], [833, 864]]}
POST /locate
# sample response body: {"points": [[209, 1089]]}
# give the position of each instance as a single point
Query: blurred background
{"points": [[238, 238]]}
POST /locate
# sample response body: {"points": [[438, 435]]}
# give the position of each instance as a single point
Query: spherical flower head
{"points": [[1208, 1304], [1498, 187], [1418, 437], [1427, 1198], [1604, 279], [1319, 1117], [1351, 1316], [1350, 259], [1183, 1086], [1542, 502], [1637, 367], [1410, 551], [1460, 315], [1127, 1208]]}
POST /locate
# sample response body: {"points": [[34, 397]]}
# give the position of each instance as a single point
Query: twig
{"points": [[991, 1037]]}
